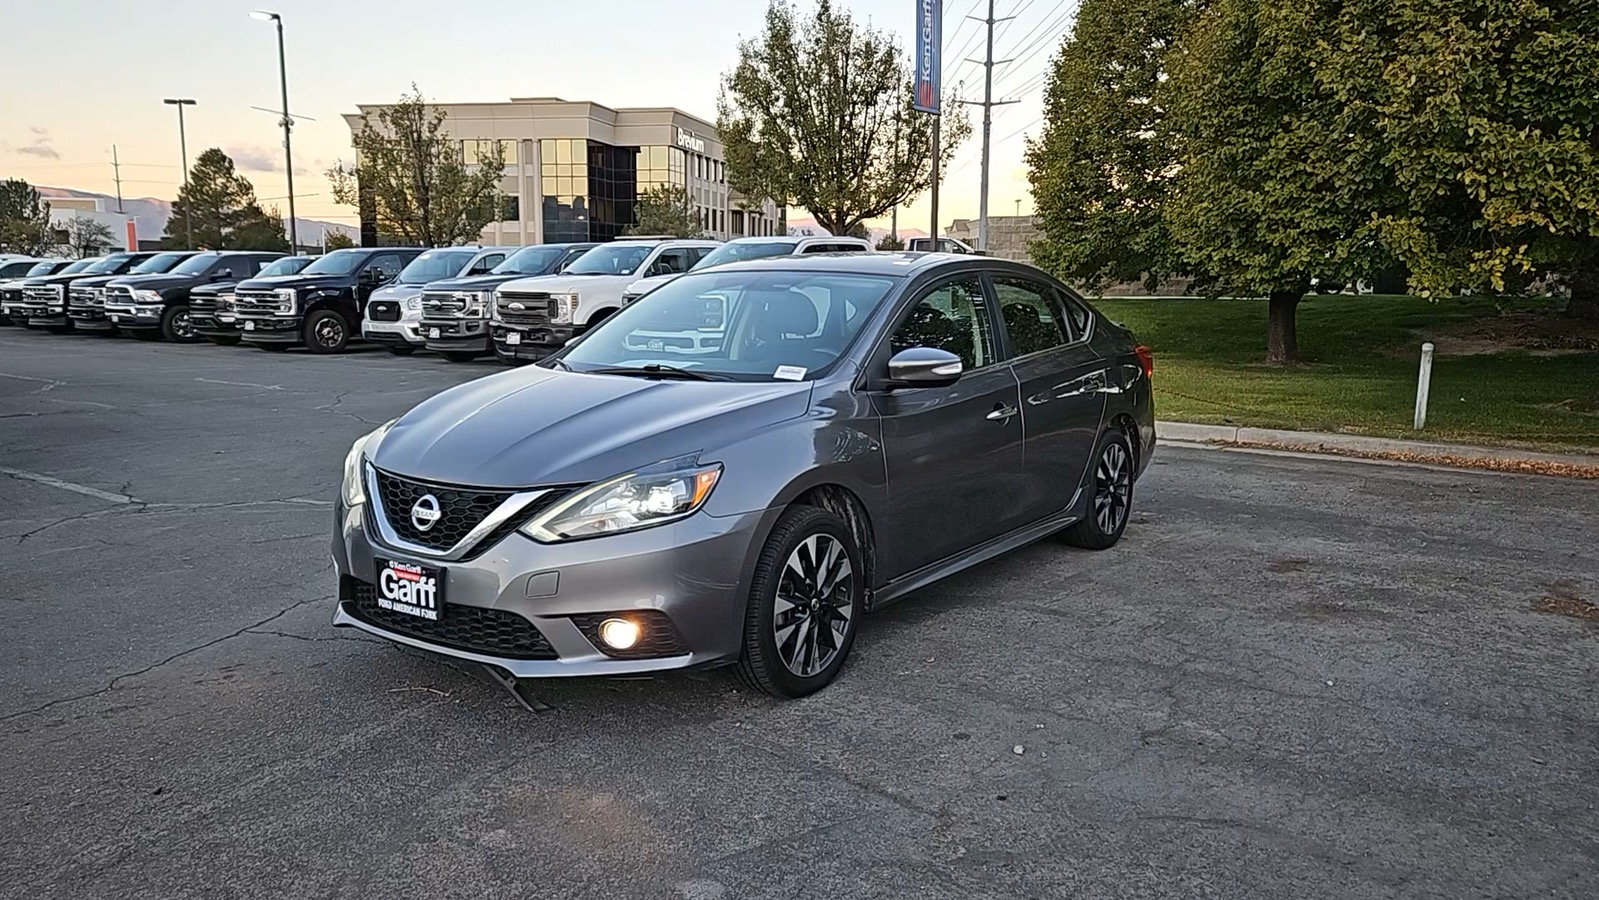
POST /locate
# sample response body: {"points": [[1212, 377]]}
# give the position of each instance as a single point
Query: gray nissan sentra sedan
{"points": [[737, 467]]}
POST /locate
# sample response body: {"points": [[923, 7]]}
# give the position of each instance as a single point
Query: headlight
{"points": [[286, 300], [146, 296], [494, 308], [474, 303], [354, 472], [565, 308], [61, 291], [414, 303], [224, 301], [656, 495]]}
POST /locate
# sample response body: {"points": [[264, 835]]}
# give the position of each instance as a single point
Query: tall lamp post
{"points": [[183, 146], [288, 123]]}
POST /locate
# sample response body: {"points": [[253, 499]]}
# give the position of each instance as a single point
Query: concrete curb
{"points": [[1312, 440]]}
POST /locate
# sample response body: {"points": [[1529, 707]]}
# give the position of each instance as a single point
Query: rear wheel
{"points": [[326, 331], [804, 603], [1110, 502], [177, 327], [460, 356], [401, 349]]}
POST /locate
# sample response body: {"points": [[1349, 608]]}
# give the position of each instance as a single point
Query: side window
{"points": [[232, 267], [386, 266], [953, 317], [1031, 317], [819, 248], [571, 257], [670, 262], [1076, 313], [482, 266]]}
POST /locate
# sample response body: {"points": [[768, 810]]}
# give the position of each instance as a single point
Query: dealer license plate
{"points": [[249, 326], [410, 588], [513, 338], [433, 333]]}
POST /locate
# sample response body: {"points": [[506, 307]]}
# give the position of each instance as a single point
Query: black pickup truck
{"points": [[44, 300], [87, 297], [456, 311], [322, 306], [211, 305], [156, 305], [11, 286]]}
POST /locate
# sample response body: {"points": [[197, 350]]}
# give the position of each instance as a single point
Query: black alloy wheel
{"points": [[1110, 500], [177, 326], [326, 332]]}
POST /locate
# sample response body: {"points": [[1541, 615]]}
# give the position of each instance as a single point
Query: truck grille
{"points": [[383, 311], [258, 303], [532, 308], [492, 632], [90, 297], [200, 303]]}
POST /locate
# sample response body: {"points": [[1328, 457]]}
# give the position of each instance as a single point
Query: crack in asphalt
{"points": [[334, 409], [351, 639], [114, 682]]}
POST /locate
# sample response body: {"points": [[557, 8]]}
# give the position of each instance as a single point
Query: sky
{"points": [[83, 75]]}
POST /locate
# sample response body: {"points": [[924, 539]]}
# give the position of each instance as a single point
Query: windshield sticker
{"points": [[789, 373]]}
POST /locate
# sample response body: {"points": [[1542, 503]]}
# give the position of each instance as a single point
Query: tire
{"points": [[224, 340], [460, 356], [1110, 501], [401, 349], [177, 327], [326, 331], [789, 666]]}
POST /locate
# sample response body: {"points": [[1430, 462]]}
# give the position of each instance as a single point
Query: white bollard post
{"points": [[1423, 384]]}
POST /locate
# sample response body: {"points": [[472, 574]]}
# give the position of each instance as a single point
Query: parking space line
{"points": [[264, 387], [69, 486]]}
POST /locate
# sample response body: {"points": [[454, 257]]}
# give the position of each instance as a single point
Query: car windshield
{"points": [[288, 265], [435, 265], [195, 265], [157, 264], [74, 268], [738, 251], [44, 268], [611, 259], [106, 265], [529, 261], [746, 326], [339, 262]]}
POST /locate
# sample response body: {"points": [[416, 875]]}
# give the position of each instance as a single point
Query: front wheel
{"points": [[326, 331], [177, 327], [1110, 502], [804, 603]]}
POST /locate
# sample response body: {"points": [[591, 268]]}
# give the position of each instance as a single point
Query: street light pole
{"points": [[183, 146], [288, 122]]}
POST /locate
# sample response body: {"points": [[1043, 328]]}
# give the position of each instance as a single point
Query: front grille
{"points": [[535, 308], [659, 637], [40, 296], [492, 632], [442, 305], [200, 303], [263, 303], [383, 311], [461, 510], [90, 297]]}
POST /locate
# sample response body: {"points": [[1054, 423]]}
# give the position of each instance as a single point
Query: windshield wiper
{"points": [[657, 370]]}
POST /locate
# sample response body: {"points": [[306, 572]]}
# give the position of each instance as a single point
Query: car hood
{"points": [[645, 285], [397, 292], [538, 426], [58, 278], [303, 282], [93, 281], [558, 284], [476, 282], [153, 282]]}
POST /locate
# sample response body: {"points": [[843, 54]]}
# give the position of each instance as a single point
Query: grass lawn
{"points": [[1359, 374]]}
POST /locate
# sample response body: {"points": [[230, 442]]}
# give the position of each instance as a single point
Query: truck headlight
{"points": [[475, 303], [565, 308], [354, 489], [414, 303], [287, 298], [224, 303], [494, 308], [651, 496], [61, 292], [146, 297]]}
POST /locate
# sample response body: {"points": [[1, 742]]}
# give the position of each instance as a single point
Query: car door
{"points": [[670, 262], [1062, 387], [380, 269], [953, 454], [484, 263]]}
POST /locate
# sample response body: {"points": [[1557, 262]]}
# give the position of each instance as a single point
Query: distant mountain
{"points": [[152, 215]]}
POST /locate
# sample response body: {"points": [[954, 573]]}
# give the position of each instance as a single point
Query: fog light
{"points": [[619, 634]]}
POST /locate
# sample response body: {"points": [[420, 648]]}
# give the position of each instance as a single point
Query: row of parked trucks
{"points": [[518, 303]]}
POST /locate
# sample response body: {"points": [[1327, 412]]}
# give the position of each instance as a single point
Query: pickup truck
{"points": [[455, 313], [740, 249], [156, 305], [322, 306], [211, 305], [44, 300], [534, 317], [394, 314], [11, 286]]}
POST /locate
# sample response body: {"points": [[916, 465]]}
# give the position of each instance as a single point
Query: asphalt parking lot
{"points": [[1294, 678]]}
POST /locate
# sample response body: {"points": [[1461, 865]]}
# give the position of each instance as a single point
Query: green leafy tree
{"points": [[337, 240], [890, 242], [666, 209], [1103, 168], [87, 237], [218, 206], [1276, 181], [1486, 110], [817, 113], [411, 175], [24, 219]]}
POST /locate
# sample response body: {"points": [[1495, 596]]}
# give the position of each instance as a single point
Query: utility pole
{"points": [[262, 15], [183, 144], [988, 105], [1018, 209], [116, 169]]}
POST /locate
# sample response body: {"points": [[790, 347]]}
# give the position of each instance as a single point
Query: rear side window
{"points": [[1031, 313]]}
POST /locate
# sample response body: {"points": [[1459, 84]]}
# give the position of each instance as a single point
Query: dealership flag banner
{"points": [[929, 53]]}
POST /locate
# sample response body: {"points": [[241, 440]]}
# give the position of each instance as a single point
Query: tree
{"points": [[1277, 181], [817, 113], [890, 242], [414, 178], [218, 206], [1485, 110], [1102, 170], [24, 219], [87, 237], [666, 209], [337, 240]]}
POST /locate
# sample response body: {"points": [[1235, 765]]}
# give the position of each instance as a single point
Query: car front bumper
{"points": [[449, 335], [534, 342], [391, 332], [273, 330], [685, 581], [129, 316]]}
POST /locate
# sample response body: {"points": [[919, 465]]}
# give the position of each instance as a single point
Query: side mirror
{"points": [[570, 342], [923, 367], [221, 276]]}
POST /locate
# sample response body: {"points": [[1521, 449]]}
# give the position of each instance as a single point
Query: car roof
{"points": [[895, 264]]}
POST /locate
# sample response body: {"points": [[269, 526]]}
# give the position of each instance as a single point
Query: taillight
{"points": [[1146, 358]]}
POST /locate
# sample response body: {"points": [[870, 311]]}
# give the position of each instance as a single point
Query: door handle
{"points": [[1001, 412]]}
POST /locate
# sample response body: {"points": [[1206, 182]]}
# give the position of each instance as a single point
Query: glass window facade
{"points": [[658, 165], [588, 187]]}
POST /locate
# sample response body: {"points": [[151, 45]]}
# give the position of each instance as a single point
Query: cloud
{"points": [[260, 159], [43, 151], [41, 132], [40, 146]]}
